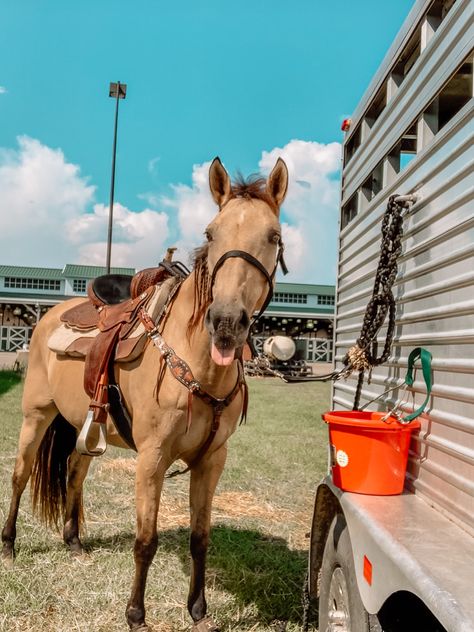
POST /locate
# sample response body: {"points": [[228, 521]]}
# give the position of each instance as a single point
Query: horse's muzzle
{"points": [[228, 328]]}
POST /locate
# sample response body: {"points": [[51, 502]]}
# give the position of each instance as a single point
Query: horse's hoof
{"points": [[81, 558], [8, 553], [77, 552], [8, 558], [205, 625], [75, 546]]}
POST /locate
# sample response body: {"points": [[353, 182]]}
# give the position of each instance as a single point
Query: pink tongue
{"points": [[222, 357]]}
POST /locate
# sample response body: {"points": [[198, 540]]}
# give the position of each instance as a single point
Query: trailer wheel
{"points": [[340, 606]]}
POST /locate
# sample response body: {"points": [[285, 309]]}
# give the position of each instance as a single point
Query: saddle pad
{"points": [[76, 343], [62, 341]]}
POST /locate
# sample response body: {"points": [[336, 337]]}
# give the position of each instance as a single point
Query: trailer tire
{"points": [[340, 605]]}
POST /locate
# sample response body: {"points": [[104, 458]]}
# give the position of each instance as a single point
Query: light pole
{"points": [[118, 91]]}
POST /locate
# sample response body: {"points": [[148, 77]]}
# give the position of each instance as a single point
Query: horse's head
{"points": [[242, 253]]}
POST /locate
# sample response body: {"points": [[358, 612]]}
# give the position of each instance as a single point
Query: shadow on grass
{"points": [[123, 541], [254, 568], [8, 379]]}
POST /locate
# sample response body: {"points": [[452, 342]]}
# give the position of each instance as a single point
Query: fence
{"points": [[13, 338], [309, 349]]}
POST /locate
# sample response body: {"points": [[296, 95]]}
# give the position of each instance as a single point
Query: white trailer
{"points": [[402, 563]]}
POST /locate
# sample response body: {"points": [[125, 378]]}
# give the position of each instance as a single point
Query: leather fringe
{"points": [[189, 416], [245, 403]]}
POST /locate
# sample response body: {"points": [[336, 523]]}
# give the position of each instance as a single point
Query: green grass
{"points": [[258, 554], [8, 379]]}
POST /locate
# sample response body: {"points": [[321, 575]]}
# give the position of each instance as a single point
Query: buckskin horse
{"points": [[206, 325]]}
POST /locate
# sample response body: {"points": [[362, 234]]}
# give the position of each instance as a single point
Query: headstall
{"points": [[241, 254]]}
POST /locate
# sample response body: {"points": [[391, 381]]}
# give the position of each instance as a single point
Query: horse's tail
{"points": [[49, 474]]}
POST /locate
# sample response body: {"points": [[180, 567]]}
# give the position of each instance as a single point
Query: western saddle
{"points": [[113, 306]]}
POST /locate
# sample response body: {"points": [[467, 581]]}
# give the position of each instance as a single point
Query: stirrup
{"points": [[205, 625], [81, 443]]}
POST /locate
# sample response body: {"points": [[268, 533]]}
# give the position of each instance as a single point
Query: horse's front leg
{"points": [[150, 473], [204, 479]]}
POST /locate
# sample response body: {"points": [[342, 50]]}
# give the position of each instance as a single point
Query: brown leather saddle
{"points": [[113, 308]]}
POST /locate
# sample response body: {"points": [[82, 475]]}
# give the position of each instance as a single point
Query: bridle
{"points": [[183, 373], [241, 254]]}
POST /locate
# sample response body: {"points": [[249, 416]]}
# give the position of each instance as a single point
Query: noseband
{"points": [[241, 254]]}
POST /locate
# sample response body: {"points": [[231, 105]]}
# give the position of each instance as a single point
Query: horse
{"points": [[207, 325]]}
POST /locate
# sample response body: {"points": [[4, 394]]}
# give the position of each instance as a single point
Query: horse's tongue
{"points": [[222, 357]]}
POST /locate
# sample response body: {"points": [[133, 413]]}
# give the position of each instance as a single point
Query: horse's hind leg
{"points": [[78, 466], [35, 423], [204, 479]]}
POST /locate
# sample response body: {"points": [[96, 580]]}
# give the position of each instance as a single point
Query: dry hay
{"points": [[121, 465], [240, 505]]}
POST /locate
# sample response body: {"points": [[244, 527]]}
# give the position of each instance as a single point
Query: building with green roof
{"points": [[26, 293], [303, 311]]}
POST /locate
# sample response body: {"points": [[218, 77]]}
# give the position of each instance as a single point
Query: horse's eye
{"points": [[275, 238], [208, 235]]}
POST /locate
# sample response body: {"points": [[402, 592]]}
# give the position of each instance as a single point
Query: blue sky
{"points": [[247, 81]]}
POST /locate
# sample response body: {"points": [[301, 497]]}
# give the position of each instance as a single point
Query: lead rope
{"points": [[363, 355]]}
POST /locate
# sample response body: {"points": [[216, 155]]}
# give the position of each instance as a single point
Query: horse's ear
{"points": [[277, 183], [219, 183]]}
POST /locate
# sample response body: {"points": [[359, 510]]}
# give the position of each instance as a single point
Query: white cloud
{"points": [[152, 164], [195, 208], [310, 208], [3, 90], [48, 216], [40, 193], [152, 199], [138, 237]]}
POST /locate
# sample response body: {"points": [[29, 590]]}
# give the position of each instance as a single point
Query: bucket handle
{"points": [[425, 357]]}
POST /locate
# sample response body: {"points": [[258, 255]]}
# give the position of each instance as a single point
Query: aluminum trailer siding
{"points": [[413, 132]]}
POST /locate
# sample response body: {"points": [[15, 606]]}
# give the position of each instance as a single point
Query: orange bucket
{"points": [[368, 455]]}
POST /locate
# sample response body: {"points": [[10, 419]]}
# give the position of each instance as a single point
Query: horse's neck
{"points": [[194, 348]]}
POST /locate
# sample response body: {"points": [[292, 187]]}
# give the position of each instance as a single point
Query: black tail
{"points": [[49, 475]]}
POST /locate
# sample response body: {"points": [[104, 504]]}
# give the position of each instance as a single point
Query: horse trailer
{"points": [[406, 562]]}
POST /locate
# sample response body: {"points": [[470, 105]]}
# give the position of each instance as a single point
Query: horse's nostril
{"points": [[224, 322], [244, 319]]}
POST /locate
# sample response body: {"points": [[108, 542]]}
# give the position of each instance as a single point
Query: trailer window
{"points": [[405, 62], [438, 10], [349, 211], [455, 95], [377, 106], [352, 145], [411, 54], [403, 152], [373, 184]]}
